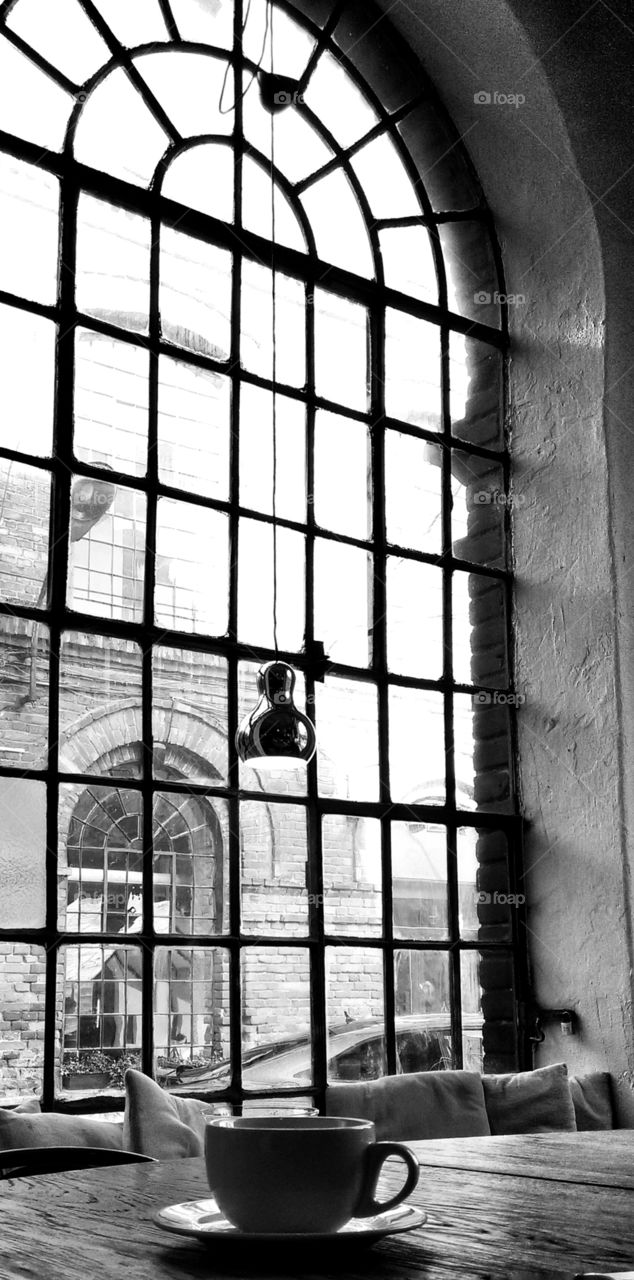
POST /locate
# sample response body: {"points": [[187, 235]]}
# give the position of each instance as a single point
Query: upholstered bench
{"points": [[463, 1104], [428, 1104]]}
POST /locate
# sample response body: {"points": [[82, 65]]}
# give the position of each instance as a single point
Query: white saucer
{"points": [[202, 1220]]}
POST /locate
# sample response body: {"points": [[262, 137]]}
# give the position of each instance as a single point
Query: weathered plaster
{"points": [[541, 165]]}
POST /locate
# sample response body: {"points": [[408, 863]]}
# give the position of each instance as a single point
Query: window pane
{"points": [[422, 987], [284, 778], [193, 428], [475, 391], [347, 739], [256, 453], [343, 478], [344, 240], [419, 875], [413, 506], [480, 502], [26, 500], [412, 370], [21, 1064], [189, 717], [101, 1014], [385, 180], [472, 283], [22, 854], [483, 749], [100, 859], [111, 402], [255, 586], [341, 325], [99, 704], [256, 208], [62, 34], [191, 1007], [106, 554], [431, 141], [202, 178], [354, 994], [24, 673], [257, 325], [414, 619], [479, 634], [195, 294], [31, 105], [417, 746], [207, 24], [191, 864], [29, 215], [343, 601], [275, 1004], [189, 87], [353, 896], [113, 264], [408, 262], [472, 1048], [299, 151], [192, 562], [274, 868], [134, 24], [117, 132], [337, 102], [486, 903], [291, 44]]}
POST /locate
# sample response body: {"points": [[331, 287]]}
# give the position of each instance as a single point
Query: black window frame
{"points": [[76, 177]]}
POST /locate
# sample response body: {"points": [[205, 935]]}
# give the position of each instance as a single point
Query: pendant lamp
{"points": [[275, 733]]}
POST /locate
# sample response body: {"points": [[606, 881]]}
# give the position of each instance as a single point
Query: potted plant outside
{"points": [[86, 1070], [119, 1066]]}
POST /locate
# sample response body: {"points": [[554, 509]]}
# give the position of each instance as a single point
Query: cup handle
{"points": [[375, 1158]]}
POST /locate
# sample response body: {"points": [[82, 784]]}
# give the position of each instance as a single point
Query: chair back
{"points": [[28, 1162]]}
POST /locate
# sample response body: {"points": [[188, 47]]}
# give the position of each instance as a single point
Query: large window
{"points": [[232, 307]]}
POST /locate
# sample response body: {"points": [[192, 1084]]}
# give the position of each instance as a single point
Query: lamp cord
{"points": [[225, 111], [274, 342]]}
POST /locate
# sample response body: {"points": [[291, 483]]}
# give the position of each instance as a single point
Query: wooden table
{"points": [[540, 1206]]}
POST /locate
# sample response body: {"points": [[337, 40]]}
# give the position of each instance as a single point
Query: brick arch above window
{"points": [[99, 743]]}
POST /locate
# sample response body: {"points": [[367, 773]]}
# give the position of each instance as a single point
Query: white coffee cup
{"points": [[299, 1174]]}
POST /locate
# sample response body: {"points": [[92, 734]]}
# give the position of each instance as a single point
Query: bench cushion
{"points": [[157, 1124], [537, 1101], [424, 1104], [592, 1100], [51, 1129]]}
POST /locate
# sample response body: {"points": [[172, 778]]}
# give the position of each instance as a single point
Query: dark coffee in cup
{"points": [[299, 1174]]}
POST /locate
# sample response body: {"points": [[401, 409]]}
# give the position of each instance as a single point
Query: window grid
{"points": [[376, 297]]}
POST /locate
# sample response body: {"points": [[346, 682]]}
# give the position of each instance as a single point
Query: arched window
{"points": [[248, 283]]}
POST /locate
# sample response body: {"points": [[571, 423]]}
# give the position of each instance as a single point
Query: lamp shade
{"points": [[275, 731]]}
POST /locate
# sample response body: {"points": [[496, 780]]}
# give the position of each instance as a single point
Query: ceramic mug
{"points": [[299, 1174]]}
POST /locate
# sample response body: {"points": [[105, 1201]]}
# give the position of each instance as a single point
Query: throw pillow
{"points": [[424, 1104], [156, 1123], [592, 1100], [537, 1101]]}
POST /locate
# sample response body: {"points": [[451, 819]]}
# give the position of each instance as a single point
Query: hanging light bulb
{"points": [[275, 732]]}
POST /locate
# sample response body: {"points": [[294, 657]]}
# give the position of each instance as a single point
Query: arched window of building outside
{"points": [[229, 303]]}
